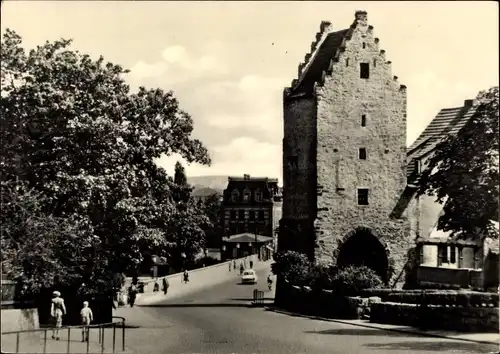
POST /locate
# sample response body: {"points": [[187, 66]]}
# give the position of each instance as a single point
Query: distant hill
{"points": [[213, 182], [208, 185]]}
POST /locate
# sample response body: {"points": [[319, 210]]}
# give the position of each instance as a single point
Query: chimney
{"points": [[361, 17], [470, 103], [246, 177]]}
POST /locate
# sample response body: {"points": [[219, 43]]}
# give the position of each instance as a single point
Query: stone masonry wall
{"points": [[342, 100], [299, 172]]}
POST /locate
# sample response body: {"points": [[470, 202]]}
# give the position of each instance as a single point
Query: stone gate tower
{"points": [[344, 154]]}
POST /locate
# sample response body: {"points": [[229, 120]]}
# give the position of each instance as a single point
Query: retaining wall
{"points": [[19, 319], [463, 319]]}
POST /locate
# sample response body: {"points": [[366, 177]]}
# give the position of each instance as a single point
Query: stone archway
{"points": [[362, 247]]}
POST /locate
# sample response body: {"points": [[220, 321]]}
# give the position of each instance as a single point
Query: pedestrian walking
{"points": [[132, 294], [234, 264], [186, 276], [87, 316], [242, 268], [251, 264], [165, 285], [156, 287], [57, 311], [229, 266]]}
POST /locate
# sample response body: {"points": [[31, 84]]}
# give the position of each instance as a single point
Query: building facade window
{"points": [[246, 196], [233, 214], [453, 254], [362, 153], [258, 195], [241, 214], [363, 120], [251, 215], [363, 196], [261, 215], [235, 196], [364, 70]]}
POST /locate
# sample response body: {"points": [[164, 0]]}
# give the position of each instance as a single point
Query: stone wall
{"points": [[462, 319], [299, 173], [342, 101], [19, 320]]}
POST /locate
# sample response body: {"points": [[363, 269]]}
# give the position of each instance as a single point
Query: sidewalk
{"points": [[483, 338]]}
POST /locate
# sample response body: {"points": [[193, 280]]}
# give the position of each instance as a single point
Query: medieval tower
{"points": [[344, 154]]}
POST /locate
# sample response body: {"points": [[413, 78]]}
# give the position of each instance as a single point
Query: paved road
{"points": [[219, 321]]}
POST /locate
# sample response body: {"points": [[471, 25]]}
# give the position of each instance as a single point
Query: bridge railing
{"points": [[102, 329]]}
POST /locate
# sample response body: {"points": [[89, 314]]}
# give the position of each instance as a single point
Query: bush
{"points": [[291, 266], [320, 277], [352, 280]]}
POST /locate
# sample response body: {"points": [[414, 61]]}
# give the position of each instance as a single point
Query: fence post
{"points": [[17, 342], [114, 336], [102, 341], [88, 339], [123, 335], [45, 342], [69, 339]]}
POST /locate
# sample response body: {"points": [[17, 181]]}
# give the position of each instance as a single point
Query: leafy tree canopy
{"points": [[79, 151], [463, 173]]}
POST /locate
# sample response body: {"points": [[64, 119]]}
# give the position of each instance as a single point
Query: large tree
{"points": [[463, 173], [84, 146]]}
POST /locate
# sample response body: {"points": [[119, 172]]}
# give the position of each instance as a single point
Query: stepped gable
{"points": [[448, 121]]}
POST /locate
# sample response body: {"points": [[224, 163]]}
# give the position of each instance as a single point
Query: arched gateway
{"points": [[361, 247]]}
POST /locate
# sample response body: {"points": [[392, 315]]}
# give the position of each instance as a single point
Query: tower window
{"points": [[363, 196], [362, 153], [374, 63], [364, 45], [363, 120], [347, 62], [364, 70]]}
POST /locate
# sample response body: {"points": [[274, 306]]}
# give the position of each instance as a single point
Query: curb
{"points": [[416, 332]]}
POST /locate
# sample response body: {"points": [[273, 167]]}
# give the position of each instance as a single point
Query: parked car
{"points": [[249, 277]]}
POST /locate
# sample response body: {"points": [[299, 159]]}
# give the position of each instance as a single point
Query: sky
{"points": [[228, 62]]}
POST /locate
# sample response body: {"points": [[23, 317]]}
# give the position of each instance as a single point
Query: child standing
{"points": [[87, 317]]}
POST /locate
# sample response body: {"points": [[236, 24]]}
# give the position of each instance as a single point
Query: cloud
{"points": [[237, 115], [143, 70]]}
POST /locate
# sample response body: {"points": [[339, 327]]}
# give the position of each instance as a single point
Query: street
{"points": [[219, 321]]}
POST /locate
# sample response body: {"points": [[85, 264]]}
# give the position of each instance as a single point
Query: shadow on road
{"points": [[251, 299], [360, 332], [444, 346], [199, 305]]}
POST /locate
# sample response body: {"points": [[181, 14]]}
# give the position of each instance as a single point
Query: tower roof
{"points": [[321, 61]]}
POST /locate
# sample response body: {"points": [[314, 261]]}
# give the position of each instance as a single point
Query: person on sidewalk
{"points": [[234, 264], [87, 317], [156, 287], [251, 264], [229, 266], [57, 311], [242, 268], [132, 294], [165, 285], [186, 277]]}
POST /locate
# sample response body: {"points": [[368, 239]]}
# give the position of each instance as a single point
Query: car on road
{"points": [[249, 277]]}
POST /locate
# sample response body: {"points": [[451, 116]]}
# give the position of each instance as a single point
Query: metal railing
{"points": [[119, 324]]}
